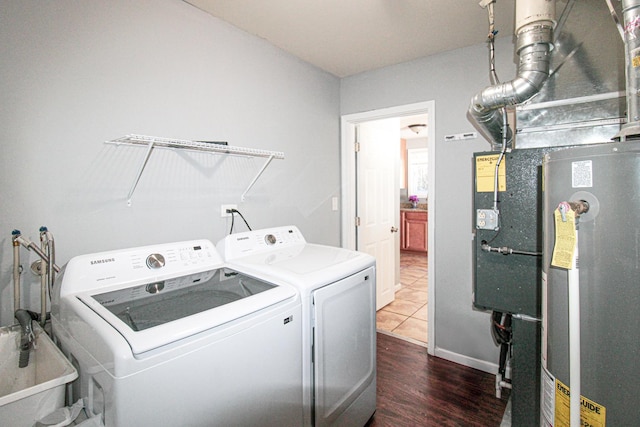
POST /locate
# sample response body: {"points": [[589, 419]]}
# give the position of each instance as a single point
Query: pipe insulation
{"points": [[535, 20], [574, 340]]}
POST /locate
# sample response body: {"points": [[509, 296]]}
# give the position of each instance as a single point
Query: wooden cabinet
{"points": [[413, 231]]}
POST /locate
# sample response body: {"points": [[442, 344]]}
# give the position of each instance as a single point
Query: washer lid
{"points": [[283, 253], [306, 258], [152, 314], [306, 265]]}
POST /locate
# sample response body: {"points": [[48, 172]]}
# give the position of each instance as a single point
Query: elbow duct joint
{"points": [[486, 112]]}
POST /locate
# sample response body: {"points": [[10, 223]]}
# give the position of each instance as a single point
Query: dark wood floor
{"points": [[415, 389]]}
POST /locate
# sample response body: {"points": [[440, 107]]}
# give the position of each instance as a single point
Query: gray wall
{"points": [[450, 79], [74, 74]]}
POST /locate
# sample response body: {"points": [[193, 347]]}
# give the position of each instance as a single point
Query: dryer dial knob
{"points": [[270, 239], [155, 261]]}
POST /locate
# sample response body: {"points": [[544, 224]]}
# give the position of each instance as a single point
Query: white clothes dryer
{"points": [[338, 289], [165, 335]]}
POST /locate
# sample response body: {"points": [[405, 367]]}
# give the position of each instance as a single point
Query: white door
{"points": [[378, 196]]}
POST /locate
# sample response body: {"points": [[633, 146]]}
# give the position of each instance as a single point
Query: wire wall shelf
{"points": [[152, 142]]}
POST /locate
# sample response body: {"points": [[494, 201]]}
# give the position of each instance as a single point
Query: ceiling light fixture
{"points": [[417, 128]]}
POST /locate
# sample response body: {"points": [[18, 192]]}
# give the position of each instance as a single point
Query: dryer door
{"points": [[345, 350]]}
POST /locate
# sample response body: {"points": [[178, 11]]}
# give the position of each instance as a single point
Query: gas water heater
{"points": [[601, 290]]}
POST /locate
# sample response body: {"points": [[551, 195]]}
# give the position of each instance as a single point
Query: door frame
{"points": [[348, 191]]}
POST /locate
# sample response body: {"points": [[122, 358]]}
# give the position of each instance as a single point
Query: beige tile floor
{"points": [[406, 316]]}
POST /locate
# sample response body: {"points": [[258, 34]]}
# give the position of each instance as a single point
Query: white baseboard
{"points": [[482, 365]]}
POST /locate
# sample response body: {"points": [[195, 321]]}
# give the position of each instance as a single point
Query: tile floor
{"points": [[407, 315]]}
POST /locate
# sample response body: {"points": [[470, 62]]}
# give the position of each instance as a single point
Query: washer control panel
{"points": [[148, 263]]}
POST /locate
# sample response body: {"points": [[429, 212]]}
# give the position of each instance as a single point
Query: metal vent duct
{"points": [[631, 16], [535, 20]]}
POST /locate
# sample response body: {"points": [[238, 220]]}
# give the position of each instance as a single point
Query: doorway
{"points": [[407, 316], [350, 188]]}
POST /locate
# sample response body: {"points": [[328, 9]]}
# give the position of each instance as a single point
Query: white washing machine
{"points": [[338, 290], [165, 335]]}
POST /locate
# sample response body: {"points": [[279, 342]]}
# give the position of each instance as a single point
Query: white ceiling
{"points": [[346, 37]]}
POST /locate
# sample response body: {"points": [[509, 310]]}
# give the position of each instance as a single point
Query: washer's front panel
{"points": [[249, 378]]}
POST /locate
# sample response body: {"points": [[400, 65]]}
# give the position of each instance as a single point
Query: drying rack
{"points": [[152, 142]]}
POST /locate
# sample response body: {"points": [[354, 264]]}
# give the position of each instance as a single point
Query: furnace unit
{"points": [[508, 261]]}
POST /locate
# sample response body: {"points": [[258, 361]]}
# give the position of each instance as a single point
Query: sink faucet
{"points": [[27, 337]]}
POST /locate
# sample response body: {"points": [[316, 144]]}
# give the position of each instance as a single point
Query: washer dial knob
{"points": [[155, 261], [270, 239], [154, 288]]}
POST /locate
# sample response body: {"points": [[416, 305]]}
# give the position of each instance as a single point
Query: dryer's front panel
{"points": [[345, 350]]}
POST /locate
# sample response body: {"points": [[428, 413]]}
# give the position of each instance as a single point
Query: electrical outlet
{"points": [[487, 219], [223, 210]]}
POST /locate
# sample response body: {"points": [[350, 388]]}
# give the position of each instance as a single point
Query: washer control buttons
{"points": [[270, 239], [155, 261]]}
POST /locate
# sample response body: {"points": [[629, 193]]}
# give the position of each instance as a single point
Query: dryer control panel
{"points": [[259, 241]]}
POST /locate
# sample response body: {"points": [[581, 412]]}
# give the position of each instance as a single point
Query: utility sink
{"points": [[28, 394]]}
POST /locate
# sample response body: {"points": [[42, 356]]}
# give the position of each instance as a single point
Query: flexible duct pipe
{"points": [[534, 32], [631, 16]]}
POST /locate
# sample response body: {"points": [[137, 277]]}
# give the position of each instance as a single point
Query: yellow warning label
{"points": [[591, 414], [635, 61], [486, 173], [565, 238]]}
